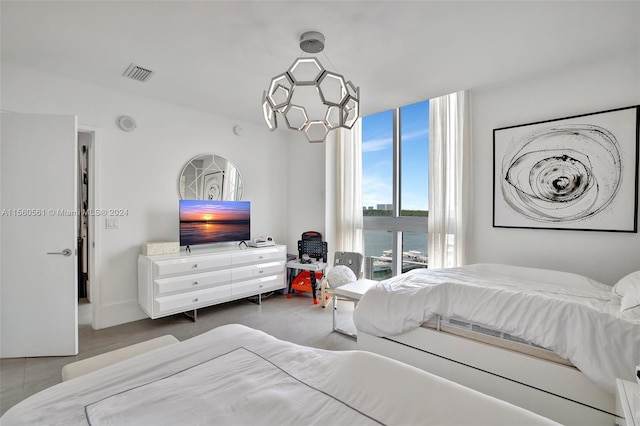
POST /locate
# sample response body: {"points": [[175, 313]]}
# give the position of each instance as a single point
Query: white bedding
{"points": [[235, 375], [576, 317]]}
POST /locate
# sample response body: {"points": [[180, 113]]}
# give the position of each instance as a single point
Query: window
{"points": [[395, 173]]}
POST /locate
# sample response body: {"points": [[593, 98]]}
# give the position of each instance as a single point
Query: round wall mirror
{"points": [[210, 177]]}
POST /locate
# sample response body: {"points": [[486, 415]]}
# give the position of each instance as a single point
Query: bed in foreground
{"points": [[569, 337], [235, 375]]}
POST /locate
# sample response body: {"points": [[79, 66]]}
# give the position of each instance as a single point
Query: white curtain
{"points": [[349, 189], [449, 180]]}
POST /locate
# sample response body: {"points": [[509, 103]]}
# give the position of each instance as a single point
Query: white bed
{"points": [[236, 375], [579, 319]]}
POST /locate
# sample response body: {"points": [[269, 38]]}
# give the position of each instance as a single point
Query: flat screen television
{"points": [[208, 221]]}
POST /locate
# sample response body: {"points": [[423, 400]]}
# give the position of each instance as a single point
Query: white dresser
{"points": [[175, 283]]}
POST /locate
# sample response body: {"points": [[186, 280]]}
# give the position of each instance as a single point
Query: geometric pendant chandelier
{"points": [[310, 99]]}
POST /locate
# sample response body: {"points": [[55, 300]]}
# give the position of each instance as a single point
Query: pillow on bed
{"points": [[628, 288], [627, 284]]}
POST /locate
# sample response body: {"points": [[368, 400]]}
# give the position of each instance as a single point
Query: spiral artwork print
{"points": [[573, 173]]}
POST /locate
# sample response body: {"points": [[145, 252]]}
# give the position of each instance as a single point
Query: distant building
{"points": [[384, 207]]}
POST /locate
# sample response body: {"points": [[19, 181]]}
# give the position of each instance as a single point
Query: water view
{"points": [[377, 251], [194, 233]]}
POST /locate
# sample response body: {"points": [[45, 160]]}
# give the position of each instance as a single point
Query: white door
{"points": [[38, 284]]}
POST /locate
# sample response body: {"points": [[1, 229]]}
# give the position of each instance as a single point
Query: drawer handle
{"points": [[260, 286], [261, 271], [195, 283], [260, 257], [195, 265], [195, 300]]}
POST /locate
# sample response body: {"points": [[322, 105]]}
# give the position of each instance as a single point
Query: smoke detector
{"points": [[126, 123]]}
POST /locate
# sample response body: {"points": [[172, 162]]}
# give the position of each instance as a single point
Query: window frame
{"points": [[396, 224]]}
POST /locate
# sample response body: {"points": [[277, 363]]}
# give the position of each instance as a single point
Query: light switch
{"points": [[112, 223]]}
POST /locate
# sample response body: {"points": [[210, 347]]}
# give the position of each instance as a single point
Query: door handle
{"points": [[65, 252]]}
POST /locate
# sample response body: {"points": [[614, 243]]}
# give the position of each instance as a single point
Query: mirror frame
{"points": [[210, 177]]}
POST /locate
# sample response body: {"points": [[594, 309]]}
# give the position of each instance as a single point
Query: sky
{"points": [[191, 210], [377, 132]]}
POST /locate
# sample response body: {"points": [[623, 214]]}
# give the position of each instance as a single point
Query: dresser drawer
{"points": [[191, 300], [187, 265], [258, 285], [262, 254], [242, 273], [165, 286]]}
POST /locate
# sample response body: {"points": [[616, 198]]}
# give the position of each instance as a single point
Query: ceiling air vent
{"points": [[135, 72]]}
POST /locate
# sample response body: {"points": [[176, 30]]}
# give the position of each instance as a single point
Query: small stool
{"points": [[88, 365]]}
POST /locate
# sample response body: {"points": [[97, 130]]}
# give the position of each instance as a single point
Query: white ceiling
{"points": [[219, 56]]}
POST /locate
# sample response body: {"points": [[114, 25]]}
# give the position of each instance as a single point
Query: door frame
{"points": [[94, 225]]}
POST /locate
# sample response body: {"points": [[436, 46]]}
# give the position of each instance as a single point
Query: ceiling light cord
{"points": [[331, 63]]}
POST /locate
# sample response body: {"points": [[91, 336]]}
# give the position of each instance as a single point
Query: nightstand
{"points": [[628, 402]]}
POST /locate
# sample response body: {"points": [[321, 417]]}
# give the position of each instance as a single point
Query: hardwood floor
{"points": [[296, 320]]}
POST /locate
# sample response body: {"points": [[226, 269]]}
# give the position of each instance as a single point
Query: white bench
{"points": [[88, 365], [352, 291]]}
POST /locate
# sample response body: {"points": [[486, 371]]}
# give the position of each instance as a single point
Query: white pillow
{"points": [[340, 275], [628, 288]]}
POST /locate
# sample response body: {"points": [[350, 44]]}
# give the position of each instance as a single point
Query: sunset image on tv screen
{"points": [[206, 221]]}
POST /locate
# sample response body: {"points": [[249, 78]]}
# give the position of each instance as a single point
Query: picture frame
{"points": [[213, 186], [573, 173]]}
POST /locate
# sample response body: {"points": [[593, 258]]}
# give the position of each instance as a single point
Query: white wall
{"points": [[306, 204], [139, 170], [606, 84]]}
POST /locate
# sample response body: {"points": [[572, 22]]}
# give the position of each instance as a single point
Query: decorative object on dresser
{"points": [[262, 241], [160, 247], [183, 283]]}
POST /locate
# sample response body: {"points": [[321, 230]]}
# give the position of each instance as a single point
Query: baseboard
{"points": [[120, 313]]}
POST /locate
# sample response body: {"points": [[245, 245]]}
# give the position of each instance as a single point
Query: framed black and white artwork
{"points": [[572, 173]]}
